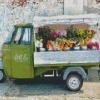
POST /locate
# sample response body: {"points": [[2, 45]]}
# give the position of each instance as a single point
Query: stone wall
{"points": [[53, 7]]}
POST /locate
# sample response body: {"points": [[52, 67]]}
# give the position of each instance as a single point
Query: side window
{"points": [[18, 36], [23, 36], [26, 36]]}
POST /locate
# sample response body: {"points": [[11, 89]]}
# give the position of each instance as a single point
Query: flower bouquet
{"points": [[71, 32], [76, 44], [89, 33], [45, 34], [61, 43], [93, 45]]}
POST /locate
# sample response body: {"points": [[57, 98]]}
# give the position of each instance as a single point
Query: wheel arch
{"points": [[74, 70]]}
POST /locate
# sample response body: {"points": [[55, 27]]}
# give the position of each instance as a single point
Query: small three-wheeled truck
{"points": [[21, 59]]}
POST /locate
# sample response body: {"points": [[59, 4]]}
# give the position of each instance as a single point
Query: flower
{"points": [[61, 33], [92, 31], [54, 34], [80, 33], [49, 44], [88, 31], [91, 44], [97, 45], [87, 41], [95, 32]]}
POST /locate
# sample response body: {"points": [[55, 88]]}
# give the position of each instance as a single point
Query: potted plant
{"points": [[61, 33], [81, 37], [49, 46], [45, 34], [93, 45], [62, 43], [76, 44], [70, 44], [71, 32], [90, 33]]}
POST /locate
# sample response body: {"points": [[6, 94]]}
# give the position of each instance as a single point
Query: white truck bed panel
{"points": [[64, 57]]}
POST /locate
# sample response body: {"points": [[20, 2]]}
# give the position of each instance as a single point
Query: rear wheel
{"points": [[74, 82], [2, 76]]}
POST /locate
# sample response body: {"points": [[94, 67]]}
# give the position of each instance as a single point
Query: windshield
{"points": [[9, 38]]}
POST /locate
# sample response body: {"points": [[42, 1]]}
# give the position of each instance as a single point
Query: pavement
{"points": [[5, 86], [50, 89]]}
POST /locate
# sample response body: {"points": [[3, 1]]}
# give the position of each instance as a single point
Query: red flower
{"points": [[90, 45], [43, 40], [92, 31], [54, 34]]}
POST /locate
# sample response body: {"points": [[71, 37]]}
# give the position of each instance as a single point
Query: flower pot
{"points": [[68, 49], [83, 47], [94, 48], [42, 50], [50, 50], [58, 49], [81, 42], [38, 49], [76, 48]]}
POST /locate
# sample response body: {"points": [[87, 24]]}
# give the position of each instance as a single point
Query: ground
{"points": [[50, 89]]}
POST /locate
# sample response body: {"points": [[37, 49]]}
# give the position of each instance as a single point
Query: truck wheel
{"points": [[2, 76], [74, 82]]}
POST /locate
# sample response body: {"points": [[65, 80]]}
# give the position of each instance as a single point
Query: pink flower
{"points": [[97, 45], [61, 33], [91, 44]]}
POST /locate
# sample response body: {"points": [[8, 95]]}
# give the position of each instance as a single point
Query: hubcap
{"points": [[74, 82], [1, 75]]}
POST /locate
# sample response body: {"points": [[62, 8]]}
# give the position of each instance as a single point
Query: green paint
{"points": [[24, 25], [6, 49], [84, 65], [18, 62], [41, 70]]}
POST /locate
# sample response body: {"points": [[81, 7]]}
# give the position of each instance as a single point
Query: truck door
{"points": [[21, 55]]}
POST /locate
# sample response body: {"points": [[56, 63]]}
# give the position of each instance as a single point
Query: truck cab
{"points": [[18, 52]]}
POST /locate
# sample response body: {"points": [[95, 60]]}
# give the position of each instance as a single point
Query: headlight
{"points": [[1, 55]]}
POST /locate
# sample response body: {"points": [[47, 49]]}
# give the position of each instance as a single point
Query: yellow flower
{"points": [[88, 31], [80, 32]]}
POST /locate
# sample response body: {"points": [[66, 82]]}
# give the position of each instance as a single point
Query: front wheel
{"points": [[2, 76], [74, 82]]}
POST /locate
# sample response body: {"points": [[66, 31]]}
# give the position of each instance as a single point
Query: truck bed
{"points": [[67, 57]]}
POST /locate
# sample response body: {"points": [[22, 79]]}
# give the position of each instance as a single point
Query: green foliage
{"points": [[71, 32], [60, 39], [45, 33]]}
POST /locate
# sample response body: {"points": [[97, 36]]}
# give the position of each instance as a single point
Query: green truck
{"points": [[22, 61]]}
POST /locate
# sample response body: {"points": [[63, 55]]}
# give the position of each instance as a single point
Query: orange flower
{"points": [[47, 46], [55, 44], [66, 45], [61, 47], [65, 48], [70, 46], [95, 32]]}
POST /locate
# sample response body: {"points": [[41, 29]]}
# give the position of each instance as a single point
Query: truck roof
{"points": [[24, 25]]}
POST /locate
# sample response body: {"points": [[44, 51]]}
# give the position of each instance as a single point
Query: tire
{"points": [[2, 76], [74, 82]]}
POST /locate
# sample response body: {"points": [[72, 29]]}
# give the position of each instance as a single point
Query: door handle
{"points": [[27, 50]]}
